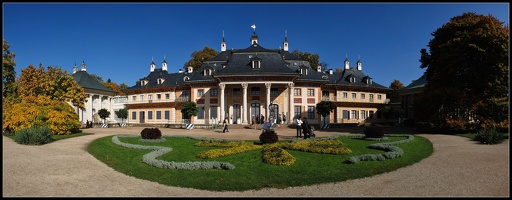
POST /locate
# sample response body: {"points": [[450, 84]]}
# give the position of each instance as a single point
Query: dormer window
{"points": [[256, 63], [144, 82], [208, 72], [352, 79], [186, 78], [367, 80], [160, 81]]}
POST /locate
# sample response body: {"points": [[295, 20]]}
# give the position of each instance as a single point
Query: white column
{"points": [[222, 110], [267, 85], [244, 108], [88, 108], [291, 114]]}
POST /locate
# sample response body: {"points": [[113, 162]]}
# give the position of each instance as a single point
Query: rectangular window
{"points": [[362, 114], [345, 95], [255, 91], [345, 114], [297, 111], [185, 94], [371, 97], [150, 115], [167, 96], [379, 97], [296, 91], [134, 98], [141, 97], [311, 112], [158, 96], [236, 91], [134, 115], [150, 97], [213, 112], [200, 93], [200, 113], [363, 96], [353, 114], [213, 92], [311, 92], [158, 115], [370, 116], [354, 95], [274, 92], [166, 115]]}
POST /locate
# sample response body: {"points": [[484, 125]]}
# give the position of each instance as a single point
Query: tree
{"points": [[324, 108], [394, 94], [54, 82], [122, 113], [103, 113], [313, 59], [467, 66], [8, 72], [198, 57], [189, 109]]}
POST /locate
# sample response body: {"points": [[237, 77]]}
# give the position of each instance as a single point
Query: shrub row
{"points": [[489, 136], [151, 160], [34, 136]]}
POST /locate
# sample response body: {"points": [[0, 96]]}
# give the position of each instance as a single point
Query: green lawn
{"points": [[251, 172]]}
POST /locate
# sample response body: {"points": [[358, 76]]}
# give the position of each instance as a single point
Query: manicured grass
{"points": [[251, 172]]}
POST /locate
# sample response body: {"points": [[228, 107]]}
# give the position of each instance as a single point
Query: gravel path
{"points": [[458, 167]]}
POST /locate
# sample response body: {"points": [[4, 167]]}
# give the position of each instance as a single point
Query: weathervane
{"points": [[254, 27]]}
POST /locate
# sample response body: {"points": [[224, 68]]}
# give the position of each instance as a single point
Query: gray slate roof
{"points": [[86, 81], [277, 62]]}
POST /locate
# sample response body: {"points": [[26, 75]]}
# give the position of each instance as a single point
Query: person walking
{"points": [[305, 128], [225, 123], [262, 119], [298, 121]]}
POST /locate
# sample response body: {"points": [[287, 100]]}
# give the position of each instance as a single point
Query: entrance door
{"points": [[255, 110], [142, 116], [236, 113]]}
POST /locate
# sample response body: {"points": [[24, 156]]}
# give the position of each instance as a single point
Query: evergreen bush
{"points": [[268, 137], [489, 136], [151, 133], [373, 132], [34, 136]]}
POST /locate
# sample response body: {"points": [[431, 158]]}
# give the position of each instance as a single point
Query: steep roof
{"points": [[418, 83], [343, 79], [86, 81]]}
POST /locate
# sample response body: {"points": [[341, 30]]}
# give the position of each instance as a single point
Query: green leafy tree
{"points": [[8, 72], [467, 66], [394, 94], [103, 113], [122, 113], [189, 109], [313, 59], [324, 108], [198, 57]]}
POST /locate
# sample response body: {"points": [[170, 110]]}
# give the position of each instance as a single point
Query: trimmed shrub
{"points": [[34, 136], [268, 136], [373, 132], [151, 133], [489, 136]]}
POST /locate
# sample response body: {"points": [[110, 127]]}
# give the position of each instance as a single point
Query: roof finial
{"points": [[254, 27]]}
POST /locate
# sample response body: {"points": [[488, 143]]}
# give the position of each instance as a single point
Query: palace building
{"points": [[242, 84]]}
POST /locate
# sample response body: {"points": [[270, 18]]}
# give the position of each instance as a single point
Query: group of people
{"points": [[303, 128]]}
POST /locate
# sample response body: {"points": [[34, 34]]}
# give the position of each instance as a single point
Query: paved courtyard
{"points": [[458, 167]]}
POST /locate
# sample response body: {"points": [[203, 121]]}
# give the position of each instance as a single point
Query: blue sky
{"points": [[118, 41]]}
